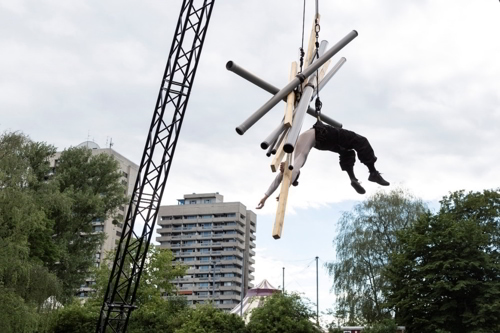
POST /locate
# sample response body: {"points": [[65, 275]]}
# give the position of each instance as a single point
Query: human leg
{"points": [[352, 140], [347, 158]]}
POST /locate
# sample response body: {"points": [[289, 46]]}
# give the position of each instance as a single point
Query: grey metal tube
{"points": [[273, 136], [271, 148], [294, 83], [329, 75], [280, 140], [292, 159], [298, 119], [231, 66]]}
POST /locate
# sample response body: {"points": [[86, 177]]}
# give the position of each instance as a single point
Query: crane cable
{"points": [[317, 29]]}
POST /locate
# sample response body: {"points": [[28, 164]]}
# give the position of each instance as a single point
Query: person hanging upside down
{"points": [[344, 142]]}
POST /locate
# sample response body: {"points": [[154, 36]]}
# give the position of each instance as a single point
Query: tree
{"points": [[366, 239], [46, 242], [155, 314], [445, 277], [283, 313], [208, 319]]}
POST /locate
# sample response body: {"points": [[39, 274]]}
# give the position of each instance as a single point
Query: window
{"points": [[97, 228], [204, 258], [180, 202], [124, 174], [229, 275], [227, 284], [204, 268], [242, 216], [96, 220], [192, 202], [206, 233], [203, 284], [189, 259], [191, 217], [177, 217], [124, 182], [231, 215], [207, 225], [118, 233], [206, 216], [204, 250], [230, 223], [207, 201]]}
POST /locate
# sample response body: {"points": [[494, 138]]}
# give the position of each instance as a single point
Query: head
{"points": [[296, 183]]}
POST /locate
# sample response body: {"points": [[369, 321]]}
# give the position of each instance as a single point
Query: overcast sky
{"points": [[421, 82]]}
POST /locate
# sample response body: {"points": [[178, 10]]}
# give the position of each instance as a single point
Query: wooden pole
{"points": [[280, 213], [290, 101]]}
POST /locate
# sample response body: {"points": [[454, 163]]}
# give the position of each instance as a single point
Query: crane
{"points": [[155, 164]]}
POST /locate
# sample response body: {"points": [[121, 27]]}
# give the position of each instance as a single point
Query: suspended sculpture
{"points": [[305, 83]]}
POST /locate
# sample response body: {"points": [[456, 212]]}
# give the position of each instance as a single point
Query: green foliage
{"points": [[385, 326], [366, 239], [75, 318], [46, 240], [208, 319], [445, 277], [283, 313]]}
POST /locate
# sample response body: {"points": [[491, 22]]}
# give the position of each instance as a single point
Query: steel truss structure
{"points": [[155, 164]]}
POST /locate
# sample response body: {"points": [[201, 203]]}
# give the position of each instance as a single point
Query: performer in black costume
{"points": [[344, 142]]}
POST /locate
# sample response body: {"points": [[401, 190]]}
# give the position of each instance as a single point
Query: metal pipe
{"points": [[292, 158], [317, 293], [329, 75], [317, 8], [236, 69], [278, 143], [274, 135], [298, 120], [242, 284], [283, 280], [271, 148], [250, 121]]}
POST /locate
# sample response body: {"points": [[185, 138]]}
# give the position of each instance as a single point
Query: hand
{"points": [[261, 203], [278, 198], [282, 167]]}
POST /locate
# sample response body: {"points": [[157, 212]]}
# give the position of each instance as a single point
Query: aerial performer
{"points": [[344, 142]]}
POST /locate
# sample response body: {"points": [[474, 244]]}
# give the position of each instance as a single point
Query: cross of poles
{"points": [[281, 142]]}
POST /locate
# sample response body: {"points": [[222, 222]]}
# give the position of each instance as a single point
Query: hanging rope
{"points": [[318, 103], [301, 49]]}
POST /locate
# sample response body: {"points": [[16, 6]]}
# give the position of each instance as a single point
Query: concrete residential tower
{"points": [[214, 238], [112, 230]]}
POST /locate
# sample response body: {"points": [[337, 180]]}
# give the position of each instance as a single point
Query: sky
{"points": [[421, 82]]}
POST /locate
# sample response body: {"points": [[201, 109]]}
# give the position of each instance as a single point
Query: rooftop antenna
{"points": [[111, 142]]}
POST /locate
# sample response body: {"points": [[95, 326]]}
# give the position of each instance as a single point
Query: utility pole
{"points": [[283, 280], [317, 293], [213, 283], [242, 284]]}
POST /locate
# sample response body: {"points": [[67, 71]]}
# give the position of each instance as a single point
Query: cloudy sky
{"points": [[421, 82]]}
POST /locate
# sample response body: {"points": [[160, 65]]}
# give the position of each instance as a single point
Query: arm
{"points": [[274, 185]]}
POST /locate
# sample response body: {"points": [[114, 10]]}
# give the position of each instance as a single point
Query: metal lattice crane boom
{"points": [[155, 164]]}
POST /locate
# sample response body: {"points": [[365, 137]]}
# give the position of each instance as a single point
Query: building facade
{"points": [[129, 171], [215, 239]]}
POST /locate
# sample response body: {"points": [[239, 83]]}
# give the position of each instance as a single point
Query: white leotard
{"points": [[305, 143]]}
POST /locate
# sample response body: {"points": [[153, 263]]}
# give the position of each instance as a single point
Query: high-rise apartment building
{"points": [[215, 239], [112, 230]]}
